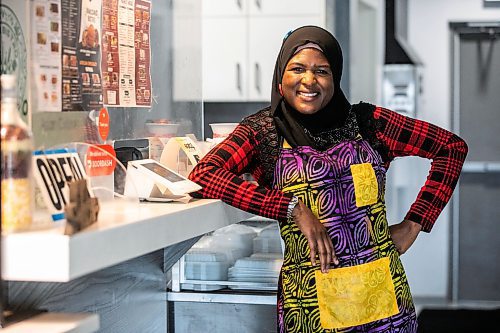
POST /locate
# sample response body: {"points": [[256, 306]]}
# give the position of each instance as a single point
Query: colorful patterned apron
{"points": [[368, 292]]}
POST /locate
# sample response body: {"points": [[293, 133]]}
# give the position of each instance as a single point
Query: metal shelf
{"points": [[224, 296]]}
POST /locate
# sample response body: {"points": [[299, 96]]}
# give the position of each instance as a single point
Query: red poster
{"points": [[126, 52], [142, 52]]}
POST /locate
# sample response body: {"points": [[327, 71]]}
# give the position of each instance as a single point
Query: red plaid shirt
{"points": [[220, 170]]}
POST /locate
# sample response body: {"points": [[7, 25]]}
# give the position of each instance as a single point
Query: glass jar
{"points": [[17, 148]]}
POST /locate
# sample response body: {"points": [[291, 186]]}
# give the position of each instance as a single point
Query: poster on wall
{"points": [[142, 52], [81, 55], [46, 51], [14, 33], [70, 14], [126, 53]]}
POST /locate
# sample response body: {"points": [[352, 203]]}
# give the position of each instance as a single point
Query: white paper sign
{"points": [[53, 170], [172, 154]]}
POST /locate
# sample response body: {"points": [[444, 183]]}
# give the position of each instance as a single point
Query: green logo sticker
{"points": [[14, 55]]}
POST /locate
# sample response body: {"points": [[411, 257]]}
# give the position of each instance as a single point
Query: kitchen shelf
{"points": [[56, 323], [220, 296], [122, 232]]}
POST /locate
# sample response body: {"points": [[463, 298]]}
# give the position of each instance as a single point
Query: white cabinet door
{"points": [[218, 8], [286, 7], [265, 37], [224, 59]]}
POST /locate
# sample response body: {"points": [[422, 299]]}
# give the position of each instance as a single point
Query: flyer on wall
{"points": [[126, 53], [46, 50], [81, 58]]}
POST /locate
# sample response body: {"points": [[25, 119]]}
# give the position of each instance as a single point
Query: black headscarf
{"points": [[289, 122]]}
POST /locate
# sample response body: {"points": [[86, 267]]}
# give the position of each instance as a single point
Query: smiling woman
{"points": [[307, 83], [320, 165]]}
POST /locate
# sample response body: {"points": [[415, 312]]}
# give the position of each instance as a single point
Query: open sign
{"points": [[53, 170]]}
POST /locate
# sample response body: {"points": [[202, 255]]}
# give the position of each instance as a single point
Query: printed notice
{"points": [[46, 46]]}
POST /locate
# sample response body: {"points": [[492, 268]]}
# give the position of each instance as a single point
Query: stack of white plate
{"points": [[205, 266], [268, 240], [261, 268]]}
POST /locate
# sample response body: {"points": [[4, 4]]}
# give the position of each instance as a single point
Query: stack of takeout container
{"points": [[262, 268], [210, 257], [268, 240], [205, 266]]}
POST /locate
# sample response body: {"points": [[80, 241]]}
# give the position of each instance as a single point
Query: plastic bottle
{"points": [[17, 148]]}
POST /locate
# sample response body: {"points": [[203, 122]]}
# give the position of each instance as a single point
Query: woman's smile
{"points": [[307, 83]]}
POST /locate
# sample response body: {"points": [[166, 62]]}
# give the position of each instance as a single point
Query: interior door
{"points": [[476, 117]]}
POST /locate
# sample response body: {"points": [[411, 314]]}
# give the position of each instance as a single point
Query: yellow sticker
{"points": [[365, 184], [356, 295]]}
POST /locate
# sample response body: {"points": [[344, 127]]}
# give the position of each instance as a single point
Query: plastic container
{"points": [[266, 245], [202, 287], [256, 263], [222, 130], [162, 130], [235, 240], [17, 149], [205, 266], [202, 256], [255, 269], [211, 271], [268, 240]]}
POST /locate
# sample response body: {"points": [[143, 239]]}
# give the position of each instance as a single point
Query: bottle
{"points": [[17, 149]]}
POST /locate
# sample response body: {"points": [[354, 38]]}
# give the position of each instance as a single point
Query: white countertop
{"points": [[122, 232], [56, 323]]}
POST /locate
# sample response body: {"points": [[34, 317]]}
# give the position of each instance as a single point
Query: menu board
{"points": [[106, 54], [81, 55], [142, 52], [126, 53]]}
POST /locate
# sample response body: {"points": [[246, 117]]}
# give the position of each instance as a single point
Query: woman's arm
{"points": [[218, 173], [406, 136]]}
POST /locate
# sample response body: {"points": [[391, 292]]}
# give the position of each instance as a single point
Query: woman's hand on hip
{"points": [[404, 234], [319, 242]]}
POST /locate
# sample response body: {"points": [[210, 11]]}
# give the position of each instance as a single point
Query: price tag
{"points": [[173, 151], [190, 148]]}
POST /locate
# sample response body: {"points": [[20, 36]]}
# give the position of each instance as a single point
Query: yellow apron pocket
{"points": [[365, 184], [356, 295]]}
